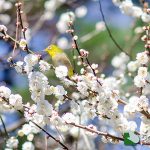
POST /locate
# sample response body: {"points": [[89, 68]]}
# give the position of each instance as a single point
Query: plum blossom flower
{"points": [[19, 66], [64, 19], [28, 146], [3, 28], [145, 17], [81, 11], [132, 126], [63, 42], [142, 58], [120, 60], [27, 129], [44, 108], [31, 59], [126, 7], [116, 2], [4, 92], [82, 88], [143, 103], [12, 142], [59, 91], [100, 26], [16, 101], [139, 81], [44, 66], [69, 118], [142, 72], [61, 71], [145, 131], [132, 66], [23, 43]]}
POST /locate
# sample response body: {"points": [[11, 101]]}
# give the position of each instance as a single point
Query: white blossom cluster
{"points": [[127, 7], [88, 93], [94, 96], [5, 6], [51, 6], [9, 101]]}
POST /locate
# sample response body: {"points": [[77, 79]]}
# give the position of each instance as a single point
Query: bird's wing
{"points": [[61, 59]]}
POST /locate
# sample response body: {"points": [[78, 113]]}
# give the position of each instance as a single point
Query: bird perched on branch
{"points": [[59, 58]]}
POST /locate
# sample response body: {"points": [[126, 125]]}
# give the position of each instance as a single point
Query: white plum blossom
{"points": [[3, 28], [12, 142], [145, 17], [50, 8], [81, 11], [37, 83], [132, 126], [145, 131], [30, 137], [100, 26], [132, 66], [142, 58], [27, 129], [4, 92], [61, 71], [138, 30], [63, 42], [19, 66], [31, 59], [129, 8], [16, 101], [38, 119], [142, 72], [5, 5], [28, 68], [44, 108], [59, 91], [56, 119], [23, 43], [120, 60], [64, 19], [69, 118], [126, 7], [5, 18], [139, 81], [143, 103], [44, 66], [86, 94], [28, 146], [137, 11], [82, 88], [116, 2]]}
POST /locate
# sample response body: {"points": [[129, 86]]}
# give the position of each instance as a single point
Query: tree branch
{"points": [[109, 32]]}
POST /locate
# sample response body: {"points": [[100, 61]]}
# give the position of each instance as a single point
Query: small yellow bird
{"points": [[59, 58]]}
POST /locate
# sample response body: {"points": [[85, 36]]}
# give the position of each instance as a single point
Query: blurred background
{"points": [[44, 20]]}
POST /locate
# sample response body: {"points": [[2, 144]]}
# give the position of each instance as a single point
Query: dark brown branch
{"points": [[78, 50], [18, 5], [49, 135], [104, 133]]}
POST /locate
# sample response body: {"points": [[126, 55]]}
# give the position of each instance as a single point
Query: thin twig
{"points": [[7, 135], [58, 141], [49, 135], [109, 32], [17, 29], [104, 133], [21, 23]]}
